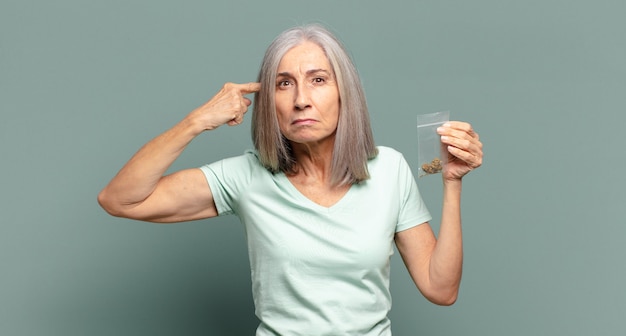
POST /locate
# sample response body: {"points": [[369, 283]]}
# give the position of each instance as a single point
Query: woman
{"points": [[322, 205]]}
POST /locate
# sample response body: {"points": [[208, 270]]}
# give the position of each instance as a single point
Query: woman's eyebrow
{"points": [[316, 71], [308, 72], [284, 74]]}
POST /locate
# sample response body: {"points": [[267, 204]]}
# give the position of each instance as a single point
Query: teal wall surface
{"points": [[83, 84]]}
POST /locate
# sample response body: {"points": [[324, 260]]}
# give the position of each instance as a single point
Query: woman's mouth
{"points": [[304, 121]]}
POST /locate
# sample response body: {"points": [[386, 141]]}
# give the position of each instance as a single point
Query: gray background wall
{"points": [[84, 84]]}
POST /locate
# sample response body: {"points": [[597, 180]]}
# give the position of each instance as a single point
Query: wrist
{"points": [[192, 125], [453, 184]]}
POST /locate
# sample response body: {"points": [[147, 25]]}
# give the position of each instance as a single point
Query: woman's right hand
{"points": [[227, 107]]}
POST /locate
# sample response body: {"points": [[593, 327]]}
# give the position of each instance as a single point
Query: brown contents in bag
{"points": [[433, 167]]}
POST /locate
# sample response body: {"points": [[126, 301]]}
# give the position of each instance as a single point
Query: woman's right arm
{"points": [[141, 191]]}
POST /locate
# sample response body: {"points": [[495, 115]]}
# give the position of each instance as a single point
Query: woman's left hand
{"points": [[465, 151]]}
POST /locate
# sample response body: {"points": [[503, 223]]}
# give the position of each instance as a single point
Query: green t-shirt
{"points": [[318, 270]]}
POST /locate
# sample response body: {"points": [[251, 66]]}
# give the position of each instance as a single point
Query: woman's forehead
{"points": [[304, 57]]}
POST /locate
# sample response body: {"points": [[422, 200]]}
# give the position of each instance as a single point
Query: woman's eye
{"points": [[284, 83], [318, 80]]}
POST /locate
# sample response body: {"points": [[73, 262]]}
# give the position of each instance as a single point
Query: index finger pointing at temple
{"points": [[249, 87]]}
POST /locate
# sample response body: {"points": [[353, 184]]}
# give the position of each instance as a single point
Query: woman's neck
{"points": [[313, 161]]}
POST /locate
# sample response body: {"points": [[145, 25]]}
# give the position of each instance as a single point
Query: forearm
{"points": [[140, 175], [446, 262]]}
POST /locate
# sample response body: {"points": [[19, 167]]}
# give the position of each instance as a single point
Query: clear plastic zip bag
{"points": [[430, 155]]}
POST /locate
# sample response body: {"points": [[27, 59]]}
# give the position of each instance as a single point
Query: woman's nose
{"points": [[302, 99]]}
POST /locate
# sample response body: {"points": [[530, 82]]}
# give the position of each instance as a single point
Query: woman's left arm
{"points": [[435, 264]]}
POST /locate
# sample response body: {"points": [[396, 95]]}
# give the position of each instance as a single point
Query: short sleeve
{"points": [[228, 178], [413, 210]]}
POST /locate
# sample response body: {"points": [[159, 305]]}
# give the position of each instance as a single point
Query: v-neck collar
{"points": [[284, 180]]}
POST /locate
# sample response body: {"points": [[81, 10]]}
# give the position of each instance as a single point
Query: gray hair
{"points": [[354, 142]]}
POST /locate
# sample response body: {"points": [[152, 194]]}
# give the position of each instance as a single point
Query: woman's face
{"points": [[307, 96]]}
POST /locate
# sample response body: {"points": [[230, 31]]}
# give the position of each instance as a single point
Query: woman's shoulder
{"points": [[387, 160], [236, 172], [388, 154], [388, 151], [249, 156], [389, 168], [240, 164]]}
